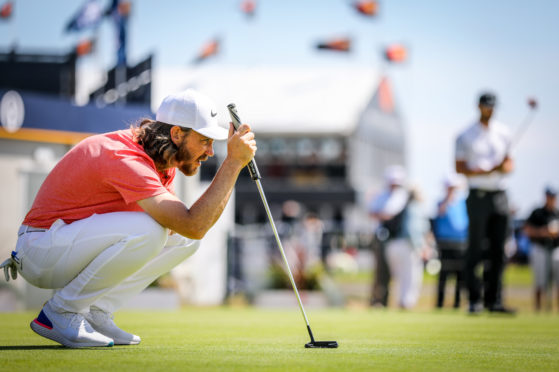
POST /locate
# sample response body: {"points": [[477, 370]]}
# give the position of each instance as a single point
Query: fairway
{"points": [[244, 339]]}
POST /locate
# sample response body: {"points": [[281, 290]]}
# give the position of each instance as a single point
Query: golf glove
{"points": [[9, 267]]}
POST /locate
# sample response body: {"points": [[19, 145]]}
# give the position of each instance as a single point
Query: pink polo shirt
{"points": [[104, 173]]}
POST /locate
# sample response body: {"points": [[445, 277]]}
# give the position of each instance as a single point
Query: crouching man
{"points": [[105, 223]]}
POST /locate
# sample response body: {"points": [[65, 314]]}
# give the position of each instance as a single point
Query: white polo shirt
{"points": [[484, 147], [390, 202]]}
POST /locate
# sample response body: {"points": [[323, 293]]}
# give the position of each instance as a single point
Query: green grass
{"points": [[244, 339], [518, 275]]}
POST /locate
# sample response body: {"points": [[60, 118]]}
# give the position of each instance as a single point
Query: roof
{"points": [[279, 99]]}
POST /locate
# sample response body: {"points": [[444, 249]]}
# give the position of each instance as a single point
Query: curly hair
{"points": [[155, 137]]}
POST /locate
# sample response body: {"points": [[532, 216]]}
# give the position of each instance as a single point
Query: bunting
{"points": [[84, 47], [338, 45], [209, 49], [366, 8], [6, 10], [248, 7], [396, 53]]}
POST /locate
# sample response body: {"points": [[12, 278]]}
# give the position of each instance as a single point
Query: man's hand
{"points": [[506, 166], [194, 222], [241, 145], [9, 267], [538, 232], [553, 229]]}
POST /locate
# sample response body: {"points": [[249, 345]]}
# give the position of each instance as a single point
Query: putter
{"points": [[255, 175]]}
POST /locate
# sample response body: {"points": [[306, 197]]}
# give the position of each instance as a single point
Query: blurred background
{"points": [[336, 91]]}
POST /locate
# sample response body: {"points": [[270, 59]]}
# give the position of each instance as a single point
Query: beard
{"points": [[187, 164]]}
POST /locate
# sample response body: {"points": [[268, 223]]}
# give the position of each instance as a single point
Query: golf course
{"points": [[242, 338]]}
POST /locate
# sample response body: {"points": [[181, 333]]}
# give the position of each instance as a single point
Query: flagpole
{"points": [[13, 28], [121, 69]]}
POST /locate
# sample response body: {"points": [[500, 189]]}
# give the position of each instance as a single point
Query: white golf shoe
{"points": [[68, 329], [103, 322]]}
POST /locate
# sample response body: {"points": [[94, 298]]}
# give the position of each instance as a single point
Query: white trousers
{"points": [[407, 269], [102, 260]]}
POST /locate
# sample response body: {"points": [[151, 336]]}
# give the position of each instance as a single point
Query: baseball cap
{"points": [[191, 109], [550, 191], [487, 99], [395, 175]]}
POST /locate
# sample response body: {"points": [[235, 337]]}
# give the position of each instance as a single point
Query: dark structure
{"points": [[53, 74], [126, 85]]}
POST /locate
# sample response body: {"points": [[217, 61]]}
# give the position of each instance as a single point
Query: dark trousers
{"points": [[488, 213], [451, 254], [381, 279]]}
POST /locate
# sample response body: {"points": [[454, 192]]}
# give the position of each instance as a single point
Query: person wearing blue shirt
{"points": [[451, 234]]}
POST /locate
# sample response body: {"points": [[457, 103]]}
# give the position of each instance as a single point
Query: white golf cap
{"points": [[395, 175], [191, 109]]}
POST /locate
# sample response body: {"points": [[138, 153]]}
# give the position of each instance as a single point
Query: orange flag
{"points": [[248, 7], [366, 8], [396, 53], [85, 47], [6, 10], [338, 45], [208, 50]]}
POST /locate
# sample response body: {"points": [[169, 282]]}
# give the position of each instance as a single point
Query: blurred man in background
{"points": [[450, 228], [483, 156], [406, 252], [387, 209], [542, 227]]}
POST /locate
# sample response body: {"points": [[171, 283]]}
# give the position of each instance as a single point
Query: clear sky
{"points": [[457, 49]]}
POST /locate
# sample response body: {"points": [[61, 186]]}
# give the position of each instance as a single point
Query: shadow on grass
{"points": [[48, 347], [31, 347]]}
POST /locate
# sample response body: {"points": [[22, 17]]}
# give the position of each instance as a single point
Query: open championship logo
{"points": [[12, 111]]}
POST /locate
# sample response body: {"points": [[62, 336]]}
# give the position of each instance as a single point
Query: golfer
{"points": [[105, 223], [483, 156]]}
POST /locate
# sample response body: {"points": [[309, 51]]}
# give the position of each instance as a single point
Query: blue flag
{"points": [[120, 10], [89, 16]]}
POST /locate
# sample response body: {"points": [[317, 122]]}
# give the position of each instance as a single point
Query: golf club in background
{"points": [[255, 175], [533, 106]]}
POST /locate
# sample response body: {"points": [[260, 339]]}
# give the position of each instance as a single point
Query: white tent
{"points": [[279, 99]]}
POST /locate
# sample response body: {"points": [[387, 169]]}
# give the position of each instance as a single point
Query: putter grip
{"points": [[252, 168]]}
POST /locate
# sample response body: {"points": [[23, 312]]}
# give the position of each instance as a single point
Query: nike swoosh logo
{"points": [[213, 114]]}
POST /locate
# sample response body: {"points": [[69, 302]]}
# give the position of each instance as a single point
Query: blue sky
{"points": [[457, 49]]}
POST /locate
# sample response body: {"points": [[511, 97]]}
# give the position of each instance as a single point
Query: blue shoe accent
{"points": [[43, 320]]}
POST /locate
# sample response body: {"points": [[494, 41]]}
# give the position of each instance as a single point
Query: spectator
{"points": [[542, 227], [405, 252], [450, 228], [388, 210]]}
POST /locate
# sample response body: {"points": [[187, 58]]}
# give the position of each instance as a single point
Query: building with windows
{"points": [[324, 135]]}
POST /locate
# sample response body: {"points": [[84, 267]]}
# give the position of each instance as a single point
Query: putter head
{"points": [[322, 344]]}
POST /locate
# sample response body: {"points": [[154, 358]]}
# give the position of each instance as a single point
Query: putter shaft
{"points": [[280, 246], [255, 175]]}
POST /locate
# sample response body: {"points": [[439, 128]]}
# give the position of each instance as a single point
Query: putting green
{"points": [[244, 339]]}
